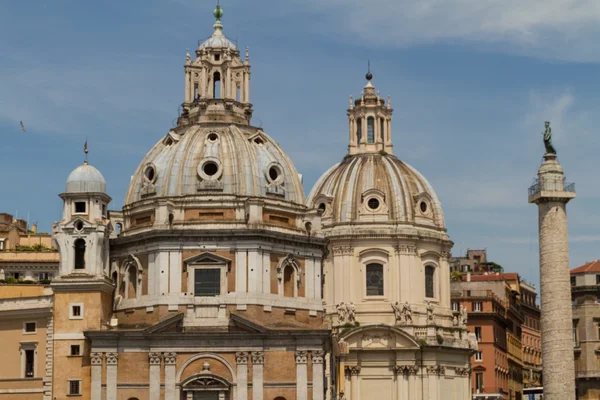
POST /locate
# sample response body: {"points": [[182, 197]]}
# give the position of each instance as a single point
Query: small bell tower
{"points": [[217, 81], [370, 122]]}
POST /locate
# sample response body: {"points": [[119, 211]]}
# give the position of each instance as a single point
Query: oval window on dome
{"points": [[210, 169], [274, 173], [150, 173], [213, 137], [373, 203], [423, 207]]}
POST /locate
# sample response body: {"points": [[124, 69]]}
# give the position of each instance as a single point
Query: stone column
{"points": [[96, 361], [301, 375], [170, 360], [258, 361], [111, 375], [247, 86], [354, 371], [551, 197], [412, 371], [241, 359], [154, 359], [317, 375]]}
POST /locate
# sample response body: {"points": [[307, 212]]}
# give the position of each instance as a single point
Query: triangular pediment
{"points": [[207, 258]]}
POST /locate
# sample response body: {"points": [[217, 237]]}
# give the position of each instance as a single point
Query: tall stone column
{"points": [[111, 375], [354, 371], [154, 359], [258, 362], [241, 359], [170, 361], [96, 361], [317, 375], [551, 196], [301, 375]]}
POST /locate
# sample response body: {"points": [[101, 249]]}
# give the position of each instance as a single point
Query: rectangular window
{"points": [[104, 210], [80, 207], [75, 350], [45, 276], [29, 327], [429, 276], [29, 357], [455, 306], [479, 382], [575, 336], [597, 279], [1, 244], [477, 306], [479, 356], [371, 130], [374, 280], [207, 282], [76, 311], [16, 275], [478, 333], [74, 387], [573, 281]]}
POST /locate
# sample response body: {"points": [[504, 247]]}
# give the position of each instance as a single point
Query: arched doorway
{"points": [[205, 386]]}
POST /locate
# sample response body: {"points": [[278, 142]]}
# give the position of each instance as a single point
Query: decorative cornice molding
{"points": [[406, 249], [343, 251]]}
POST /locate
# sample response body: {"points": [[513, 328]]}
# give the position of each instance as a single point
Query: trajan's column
{"points": [[551, 194]]}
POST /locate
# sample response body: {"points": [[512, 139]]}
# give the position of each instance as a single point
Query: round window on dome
{"points": [[150, 173], [274, 173], [322, 207], [423, 207], [213, 137], [373, 203], [210, 169]]}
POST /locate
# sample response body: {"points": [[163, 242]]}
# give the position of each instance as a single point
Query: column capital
{"points": [[242, 357], [96, 358], [352, 369], [317, 356], [301, 357], [170, 358], [436, 370], [462, 371], [258, 357], [112, 358], [154, 358]]}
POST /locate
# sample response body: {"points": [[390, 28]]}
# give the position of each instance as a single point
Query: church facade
{"points": [[220, 280]]}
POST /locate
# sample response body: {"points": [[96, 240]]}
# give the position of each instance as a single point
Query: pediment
{"points": [[207, 258], [379, 337], [78, 224], [258, 138]]}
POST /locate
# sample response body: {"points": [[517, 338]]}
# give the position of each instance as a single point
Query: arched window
{"points": [[429, 273], [358, 130], [374, 279], [279, 398], [217, 85], [381, 128], [288, 281], [115, 277], [80, 254], [371, 130]]}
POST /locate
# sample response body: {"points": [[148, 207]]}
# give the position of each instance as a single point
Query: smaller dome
{"points": [[85, 179]]}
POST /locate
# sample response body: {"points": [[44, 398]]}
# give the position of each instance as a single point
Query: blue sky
{"points": [[471, 83]]}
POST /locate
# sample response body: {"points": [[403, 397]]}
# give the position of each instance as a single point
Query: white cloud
{"points": [[562, 29]]}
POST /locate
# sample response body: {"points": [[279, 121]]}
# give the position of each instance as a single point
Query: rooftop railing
{"points": [[551, 185]]}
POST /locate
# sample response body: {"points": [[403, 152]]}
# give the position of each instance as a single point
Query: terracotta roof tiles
{"points": [[593, 266]]}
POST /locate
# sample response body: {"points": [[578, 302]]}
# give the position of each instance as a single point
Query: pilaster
{"points": [[111, 375], [301, 375], [170, 360], [258, 361], [241, 359], [154, 359], [96, 385], [317, 375]]}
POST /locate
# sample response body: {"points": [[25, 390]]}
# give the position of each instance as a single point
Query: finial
{"points": [[351, 105], [378, 95], [247, 54], [369, 75], [389, 105], [85, 150], [187, 55], [218, 13]]}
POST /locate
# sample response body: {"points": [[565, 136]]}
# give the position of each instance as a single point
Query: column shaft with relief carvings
{"points": [[301, 375], [154, 359], [170, 361], [258, 361], [96, 361], [111, 375], [317, 375]]}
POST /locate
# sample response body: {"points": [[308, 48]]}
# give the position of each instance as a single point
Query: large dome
{"points": [[85, 179], [216, 159], [376, 187]]}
